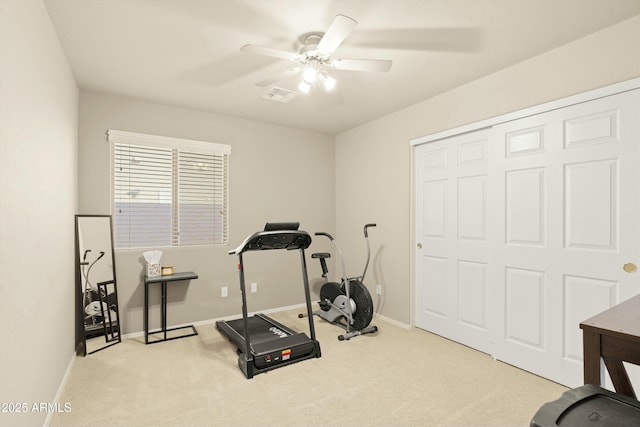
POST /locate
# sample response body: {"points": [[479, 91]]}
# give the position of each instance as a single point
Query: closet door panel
{"points": [[570, 208], [452, 226], [522, 231]]}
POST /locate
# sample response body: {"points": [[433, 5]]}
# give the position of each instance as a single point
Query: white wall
{"points": [[276, 174], [38, 198], [374, 161]]}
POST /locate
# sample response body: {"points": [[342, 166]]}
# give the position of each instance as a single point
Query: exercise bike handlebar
{"points": [[365, 229], [366, 237], [366, 233], [321, 233]]}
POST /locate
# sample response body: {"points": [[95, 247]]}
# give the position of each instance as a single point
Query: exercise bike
{"points": [[347, 304], [100, 308]]}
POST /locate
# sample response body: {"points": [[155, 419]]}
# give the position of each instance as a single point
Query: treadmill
{"points": [[263, 343]]}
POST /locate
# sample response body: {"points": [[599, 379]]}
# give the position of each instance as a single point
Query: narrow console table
{"points": [[614, 336], [163, 280]]}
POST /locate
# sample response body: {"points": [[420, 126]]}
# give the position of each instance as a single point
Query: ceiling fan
{"points": [[315, 57]]}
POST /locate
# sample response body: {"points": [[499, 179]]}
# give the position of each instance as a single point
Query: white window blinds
{"points": [[168, 191]]}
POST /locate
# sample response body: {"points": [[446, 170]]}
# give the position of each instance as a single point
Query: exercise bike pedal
{"points": [[324, 305], [329, 292]]}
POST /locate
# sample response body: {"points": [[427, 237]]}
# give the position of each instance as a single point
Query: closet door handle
{"points": [[630, 267]]}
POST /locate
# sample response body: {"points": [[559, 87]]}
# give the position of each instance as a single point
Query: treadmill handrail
{"points": [[278, 239]]}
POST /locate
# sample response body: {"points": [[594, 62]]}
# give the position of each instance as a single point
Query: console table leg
{"points": [[164, 309], [591, 353], [619, 377], [146, 313]]}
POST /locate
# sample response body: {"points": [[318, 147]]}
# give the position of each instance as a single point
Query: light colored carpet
{"points": [[397, 377]]}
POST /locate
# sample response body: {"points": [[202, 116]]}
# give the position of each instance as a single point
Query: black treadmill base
{"points": [[272, 344], [254, 365], [589, 405]]}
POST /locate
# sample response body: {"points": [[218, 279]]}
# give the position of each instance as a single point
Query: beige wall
{"points": [[38, 197], [276, 174], [374, 161]]}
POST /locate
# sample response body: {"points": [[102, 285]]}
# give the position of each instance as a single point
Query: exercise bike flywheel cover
{"points": [[360, 295], [93, 308], [329, 291]]}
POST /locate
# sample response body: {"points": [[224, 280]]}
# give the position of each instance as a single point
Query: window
{"points": [[168, 191]]}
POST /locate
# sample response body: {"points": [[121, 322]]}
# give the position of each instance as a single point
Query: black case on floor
{"points": [[589, 405]]}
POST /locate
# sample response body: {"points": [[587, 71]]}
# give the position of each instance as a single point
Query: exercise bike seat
{"points": [[321, 255], [323, 263]]}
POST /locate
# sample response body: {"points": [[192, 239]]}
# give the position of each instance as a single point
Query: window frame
{"points": [[184, 145]]}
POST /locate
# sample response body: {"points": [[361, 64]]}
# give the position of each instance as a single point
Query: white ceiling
{"points": [[186, 52]]}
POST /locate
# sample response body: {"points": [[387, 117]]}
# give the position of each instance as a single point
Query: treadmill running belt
{"points": [[260, 330]]}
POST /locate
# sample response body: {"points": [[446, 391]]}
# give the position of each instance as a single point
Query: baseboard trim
{"points": [[393, 322], [61, 387], [214, 320], [268, 311]]}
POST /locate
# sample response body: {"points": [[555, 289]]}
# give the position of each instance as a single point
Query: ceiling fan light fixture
{"points": [[309, 75], [328, 82], [304, 87]]}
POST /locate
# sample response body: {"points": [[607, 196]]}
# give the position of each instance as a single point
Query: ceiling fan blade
{"points": [[362, 64], [339, 29], [280, 76], [455, 39], [267, 51]]}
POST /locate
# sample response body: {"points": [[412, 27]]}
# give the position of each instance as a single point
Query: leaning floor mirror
{"points": [[97, 313]]}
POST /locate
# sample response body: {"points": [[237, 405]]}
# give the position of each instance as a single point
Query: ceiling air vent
{"points": [[279, 95]]}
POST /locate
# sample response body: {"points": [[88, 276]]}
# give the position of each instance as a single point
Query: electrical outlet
{"points": [[224, 292], [254, 287], [379, 289]]}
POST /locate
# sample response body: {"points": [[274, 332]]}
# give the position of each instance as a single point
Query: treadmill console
{"points": [[276, 235], [277, 226], [288, 239]]}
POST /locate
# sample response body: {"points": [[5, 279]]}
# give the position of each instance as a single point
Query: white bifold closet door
{"points": [[523, 229]]}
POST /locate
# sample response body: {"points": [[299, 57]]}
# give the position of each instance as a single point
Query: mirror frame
{"points": [[112, 334]]}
